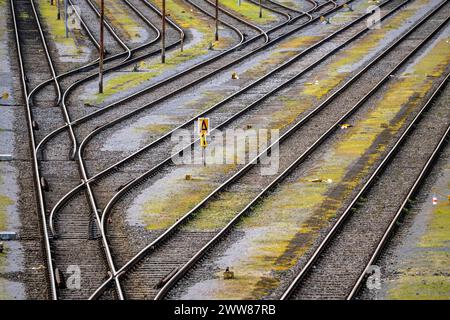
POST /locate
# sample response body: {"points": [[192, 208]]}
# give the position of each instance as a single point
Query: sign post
{"points": [[203, 131]]}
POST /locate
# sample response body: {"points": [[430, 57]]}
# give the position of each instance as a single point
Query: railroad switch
{"points": [[324, 20], [44, 184], [228, 274]]}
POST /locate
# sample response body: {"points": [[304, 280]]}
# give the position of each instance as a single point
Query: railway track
{"points": [[440, 92], [67, 196], [150, 246], [25, 84], [224, 112], [65, 249], [31, 100], [178, 86], [385, 199], [183, 270]]}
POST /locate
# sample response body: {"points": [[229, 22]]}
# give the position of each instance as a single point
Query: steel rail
{"points": [[111, 30], [77, 83], [50, 62], [292, 287], [229, 12], [142, 108], [95, 210], [238, 114], [412, 192], [186, 267]]}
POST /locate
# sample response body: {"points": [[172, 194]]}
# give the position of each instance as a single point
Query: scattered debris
{"points": [[2, 247], [234, 76], [5, 95], [329, 180], [346, 126], [136, 68], [211, 46], [188, 177], [8, 235], [249, 126], [316, 180], [228, 274], [88, 105]]}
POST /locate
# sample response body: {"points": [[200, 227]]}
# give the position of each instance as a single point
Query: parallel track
{"points": [[201, 253]]}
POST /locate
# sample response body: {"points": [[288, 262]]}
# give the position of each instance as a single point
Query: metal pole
{"points": [[102, 18], [163, 36], [58, 3], [66, 17], [260, 9], [182, 40], [217, 21]]}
